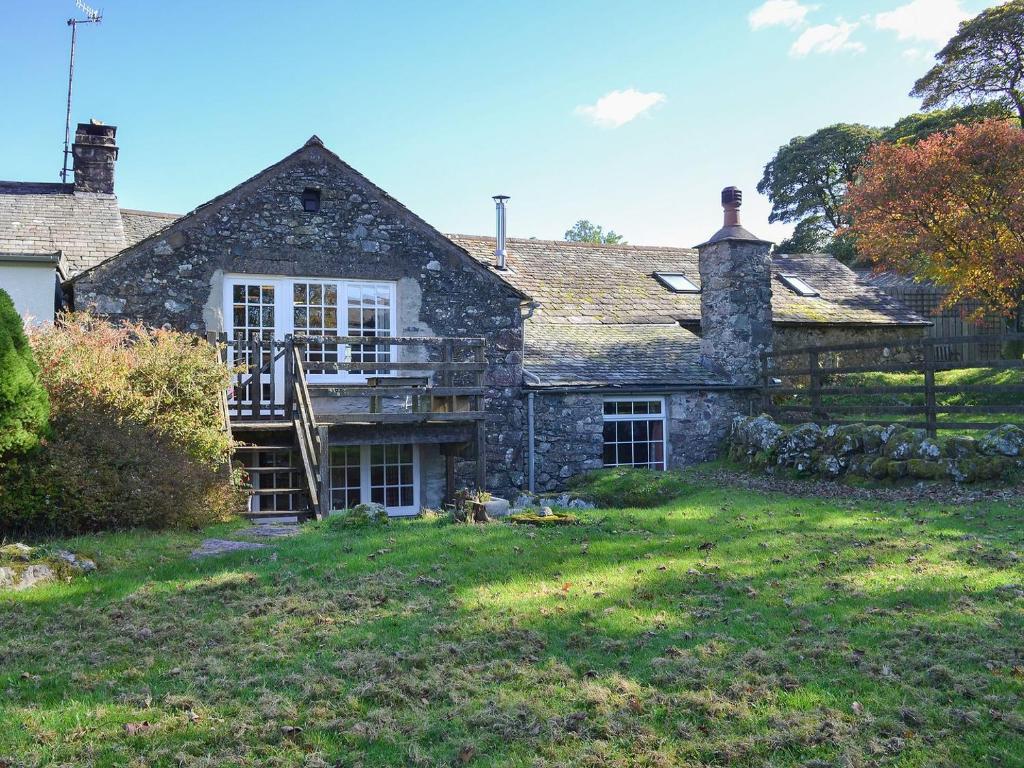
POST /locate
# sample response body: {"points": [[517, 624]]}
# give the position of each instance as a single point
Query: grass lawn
{"points": [[730, 628]]}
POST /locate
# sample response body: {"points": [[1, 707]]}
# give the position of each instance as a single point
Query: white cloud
{"points": [[617, 108], [774, 13], [914, 54], [826, 38], [934, 21]]}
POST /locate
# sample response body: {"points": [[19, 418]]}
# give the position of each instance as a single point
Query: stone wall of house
{"points": [[568, 431], [176, 278], [788, 337]]}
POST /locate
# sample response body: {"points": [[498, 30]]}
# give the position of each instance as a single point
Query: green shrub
{"points": [[136, 434], [627, 487], [24, 406]]}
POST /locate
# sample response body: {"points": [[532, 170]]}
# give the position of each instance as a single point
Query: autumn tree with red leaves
{"points": [[949, 208]]}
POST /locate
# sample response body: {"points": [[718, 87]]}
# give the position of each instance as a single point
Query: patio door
{"points": [[253, 317], [383, 474]]}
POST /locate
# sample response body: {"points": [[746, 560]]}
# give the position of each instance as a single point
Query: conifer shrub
{"points": [[136, 439], [24, 406]]}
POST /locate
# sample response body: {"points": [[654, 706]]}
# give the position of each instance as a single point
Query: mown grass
{"points": [[727, 628]]}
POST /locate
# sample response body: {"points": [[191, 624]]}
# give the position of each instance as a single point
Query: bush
{"points": [[627, 487], [137, 437], [24, 406]]}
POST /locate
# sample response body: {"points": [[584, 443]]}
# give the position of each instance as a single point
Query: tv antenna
{"points": [[92, 16]]}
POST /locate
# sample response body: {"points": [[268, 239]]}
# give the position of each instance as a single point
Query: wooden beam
{"points": [[400, 418]]}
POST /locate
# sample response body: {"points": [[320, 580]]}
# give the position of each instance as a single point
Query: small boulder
{"points": [[22, 552], [896, 470], [1007, 440], [497, 507], [923, 469], [7, 577], [957, 447], [76, 563], [545, 512], [929, 449], [903, 445], [35, 574], [879, 468]]}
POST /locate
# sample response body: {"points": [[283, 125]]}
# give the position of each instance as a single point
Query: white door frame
{"points": [[365, 490]]}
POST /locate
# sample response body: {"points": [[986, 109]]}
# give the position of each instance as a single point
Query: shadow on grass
{"points": [[620, 642]]}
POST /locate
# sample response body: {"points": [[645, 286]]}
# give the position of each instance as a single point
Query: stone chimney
{"points": [[735, 298], [94, 154]]}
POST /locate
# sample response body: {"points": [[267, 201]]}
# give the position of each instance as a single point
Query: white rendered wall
{"points": [[31, 287]]}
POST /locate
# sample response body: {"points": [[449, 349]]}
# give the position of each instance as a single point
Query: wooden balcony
{"points": [[354, 380], [317, 388]]}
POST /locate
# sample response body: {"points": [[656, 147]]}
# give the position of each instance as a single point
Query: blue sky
{"points": [[633, 115]]}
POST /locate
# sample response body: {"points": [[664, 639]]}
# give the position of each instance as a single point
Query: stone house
{"points": [[381, 360]]}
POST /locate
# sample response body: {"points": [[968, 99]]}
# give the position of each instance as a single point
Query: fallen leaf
{"points": [[134, 729]]}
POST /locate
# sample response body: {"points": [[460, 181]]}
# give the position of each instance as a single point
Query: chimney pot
{"points": [[94, 155], [499, 240], [732, 199]]}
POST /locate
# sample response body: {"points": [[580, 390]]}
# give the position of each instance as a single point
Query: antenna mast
{"points": [[92, 16]]}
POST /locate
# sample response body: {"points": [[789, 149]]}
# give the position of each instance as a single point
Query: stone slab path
{"points": [[211, 547]]}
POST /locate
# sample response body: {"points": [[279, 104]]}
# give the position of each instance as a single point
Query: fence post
{"points": [[815, 385], [930, 415]]}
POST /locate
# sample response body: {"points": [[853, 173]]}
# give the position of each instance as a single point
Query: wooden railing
{"points": [[273, 379], [306, 433], [814, 391]]}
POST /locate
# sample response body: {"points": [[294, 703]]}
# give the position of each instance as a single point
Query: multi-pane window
{"points": [[273, 469], [268, 308], [346, 477], [253, 318], [315, 313], [391, 475], [369, 314], [383, 474], [634, 433]]}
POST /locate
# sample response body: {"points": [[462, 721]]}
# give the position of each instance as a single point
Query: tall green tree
{"points": [[24, 406], [585, 232], [806, 183], [920, 125], [983, 61]]}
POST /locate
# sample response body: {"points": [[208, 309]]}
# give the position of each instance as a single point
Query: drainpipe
{"points": [[529, 431]]}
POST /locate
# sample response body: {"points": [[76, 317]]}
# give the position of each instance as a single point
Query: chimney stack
{"points": [[94, 155], [736, 297], [499, 241]]}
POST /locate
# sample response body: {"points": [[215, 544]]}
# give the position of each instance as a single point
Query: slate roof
{"points": [[87, 227], [138, 225], [615, 356], [578, 283]]}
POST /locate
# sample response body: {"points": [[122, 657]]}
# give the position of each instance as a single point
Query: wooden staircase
{"points": [[285, 459], [284, 446]]}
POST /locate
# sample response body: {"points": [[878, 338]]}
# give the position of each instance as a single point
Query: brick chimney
{"points": [[736, 297], [94, 155]]}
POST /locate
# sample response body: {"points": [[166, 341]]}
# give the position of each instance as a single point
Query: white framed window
{"points": [[676, 282], [274, 307], [635, 432], [382, 474], [799, 286]]}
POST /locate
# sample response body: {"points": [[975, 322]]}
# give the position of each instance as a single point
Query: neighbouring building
{"points": [[381, 360], [52, 231]]}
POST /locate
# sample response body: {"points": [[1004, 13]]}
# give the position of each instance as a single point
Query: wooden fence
{"points": [[820, 388]]}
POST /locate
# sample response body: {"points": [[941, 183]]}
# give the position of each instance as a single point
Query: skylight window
{"points": [[798, 286], [676, 282]]}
